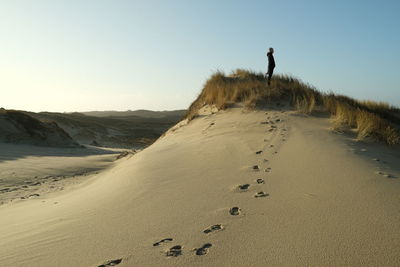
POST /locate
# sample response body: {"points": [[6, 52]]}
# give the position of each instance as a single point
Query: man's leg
{"points": [[270, 71]]}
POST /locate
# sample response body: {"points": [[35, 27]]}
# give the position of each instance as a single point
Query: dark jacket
{"points": [[271, 61]]}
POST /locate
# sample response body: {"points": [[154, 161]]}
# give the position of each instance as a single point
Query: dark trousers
{"points": [[269, 73]]}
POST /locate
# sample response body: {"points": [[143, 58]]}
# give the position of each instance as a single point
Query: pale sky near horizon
{"points": [[117, 55]]}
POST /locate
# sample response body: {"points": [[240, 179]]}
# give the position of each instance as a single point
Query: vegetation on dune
{"points": [[370, 119], [18, 127], [112, 128]]}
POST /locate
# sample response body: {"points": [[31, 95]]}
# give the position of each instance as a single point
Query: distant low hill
{"points": [[20, 128], [125, 129], [140, 113]]}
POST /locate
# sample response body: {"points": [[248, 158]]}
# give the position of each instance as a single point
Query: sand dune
{"points": [[236, 187], [124, 129], [20, 128]]}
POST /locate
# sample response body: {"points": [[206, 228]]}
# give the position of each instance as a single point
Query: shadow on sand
{"points": [[15, 151]]}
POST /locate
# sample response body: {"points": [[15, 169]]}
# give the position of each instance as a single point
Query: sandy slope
{"points": [[31, 171], [326, 206]]}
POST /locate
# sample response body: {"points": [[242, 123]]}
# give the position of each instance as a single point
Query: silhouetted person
{"points": [[271, 64]]}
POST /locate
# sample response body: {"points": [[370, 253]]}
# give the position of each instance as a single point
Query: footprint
{"points": [[175, 251], [310, 195], [31, 195], [259, 152], [162, 241], [215, 227], [267, 170], [5, 190], [261, 194], [203, 250], [243, 187], [387, 175], [208, 127], [234, 211], [260, 181], [111, 263], [255, 167]]}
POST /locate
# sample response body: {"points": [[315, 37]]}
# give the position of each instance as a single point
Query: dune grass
{"points": [[369, 119]]}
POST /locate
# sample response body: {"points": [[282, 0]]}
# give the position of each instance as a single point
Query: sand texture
{"points": [[232, 188]]}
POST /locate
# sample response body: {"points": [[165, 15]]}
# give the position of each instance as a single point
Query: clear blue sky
{"points": [[117, 55]]}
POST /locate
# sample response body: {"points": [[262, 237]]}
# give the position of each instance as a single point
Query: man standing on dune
{"points": [[271, 64]]}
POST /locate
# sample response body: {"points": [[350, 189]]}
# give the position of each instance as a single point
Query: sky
{"points": [[82, 55]]}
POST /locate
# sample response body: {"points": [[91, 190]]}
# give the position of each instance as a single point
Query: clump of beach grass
{"points": [[378, 120]]}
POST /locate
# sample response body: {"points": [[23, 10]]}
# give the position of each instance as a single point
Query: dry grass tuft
{"points": [[370, 119]]}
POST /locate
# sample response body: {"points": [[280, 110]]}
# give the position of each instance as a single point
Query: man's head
{"points": [[271, 50]]}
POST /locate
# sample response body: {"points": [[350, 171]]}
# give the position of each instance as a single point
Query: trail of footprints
{"points": [[381, 166], [177, 250]]}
